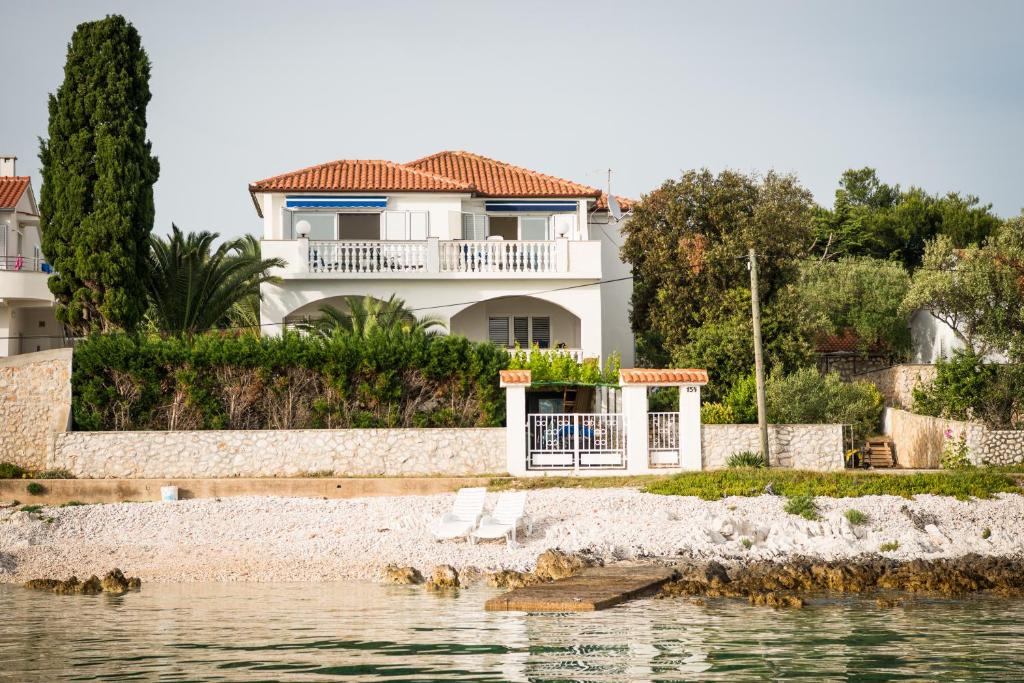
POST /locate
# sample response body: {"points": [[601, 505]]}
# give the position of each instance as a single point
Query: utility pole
{"points": [[755, 309]]}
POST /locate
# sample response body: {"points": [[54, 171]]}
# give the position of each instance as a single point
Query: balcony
{"points": [[24, 277], [436, 259]]}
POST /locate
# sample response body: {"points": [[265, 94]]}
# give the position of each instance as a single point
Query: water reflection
{"points": [[303, 632]]}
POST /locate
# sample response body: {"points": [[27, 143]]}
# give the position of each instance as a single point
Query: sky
{"points": [[927, 92]]}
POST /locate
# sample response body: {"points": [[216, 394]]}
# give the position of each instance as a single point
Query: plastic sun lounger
{"points": [[466, 511], [508, 514]]}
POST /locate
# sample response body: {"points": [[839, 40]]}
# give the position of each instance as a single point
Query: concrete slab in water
{"points": [[592, 589]]}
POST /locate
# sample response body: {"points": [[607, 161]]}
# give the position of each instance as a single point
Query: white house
{"points": [[498, 252], [26, 304]]}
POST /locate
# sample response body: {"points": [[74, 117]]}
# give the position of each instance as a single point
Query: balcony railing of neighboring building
{"points": [[31, 264]]}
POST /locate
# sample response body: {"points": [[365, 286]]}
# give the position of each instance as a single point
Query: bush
{"points": [[955, 454], [664, 400], [889, 547], [802, 505], [746, 459], [58, 473], [742, 400], [808, 397], [559, 366], [35, 488], [717, 414], [855, 517], [215, 381], [968, 388], [11, 471]]}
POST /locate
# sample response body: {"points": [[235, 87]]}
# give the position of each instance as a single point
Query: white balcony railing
{"points": [[436, 258]]}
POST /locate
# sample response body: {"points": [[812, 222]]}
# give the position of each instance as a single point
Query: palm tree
{"points": [[194, 287], [366, 315]]}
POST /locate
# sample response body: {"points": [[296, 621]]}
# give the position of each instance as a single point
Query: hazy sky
{"points": [[929, 93]]}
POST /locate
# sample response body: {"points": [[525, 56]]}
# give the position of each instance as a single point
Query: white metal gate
{"points": [[663, 439], [575, 441]]}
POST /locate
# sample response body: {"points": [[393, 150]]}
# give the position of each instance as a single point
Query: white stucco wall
{"points": [[615, 296], [932, 340]]}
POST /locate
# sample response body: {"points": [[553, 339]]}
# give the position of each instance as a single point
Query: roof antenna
{"points": [[613, 204]]}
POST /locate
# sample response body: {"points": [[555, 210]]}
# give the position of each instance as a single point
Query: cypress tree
{"points": [[96, 201]]}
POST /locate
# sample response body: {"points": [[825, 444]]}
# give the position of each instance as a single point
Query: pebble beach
{"points": [[266, 539]]}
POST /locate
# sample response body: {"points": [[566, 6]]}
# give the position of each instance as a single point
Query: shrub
{"points": [[986, 533], [802, 505], [35, 488], [31, 509], [807, 397], [11, 471], [59, 473], [746, 543], [968, 388], [855, 517], [742, 400], [664, 400], [559, 366], [955, 454], [717, 414], [215, 381], [889, 546], [746, 459], [72, 503]]}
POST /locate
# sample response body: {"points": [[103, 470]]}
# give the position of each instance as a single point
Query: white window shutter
{"points": [[474, 226], [395, 225], [418, 225]]}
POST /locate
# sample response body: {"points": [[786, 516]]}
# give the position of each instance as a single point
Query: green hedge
{"points": [[123, 382]]}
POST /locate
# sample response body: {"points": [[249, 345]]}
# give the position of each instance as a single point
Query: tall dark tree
{"points": [[98, 173]]}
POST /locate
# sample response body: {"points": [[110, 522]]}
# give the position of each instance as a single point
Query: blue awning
{"points": [[549, 206], [339, 202]]}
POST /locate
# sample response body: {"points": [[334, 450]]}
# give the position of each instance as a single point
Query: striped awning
{"points": [[339, 202], [540, 206]]}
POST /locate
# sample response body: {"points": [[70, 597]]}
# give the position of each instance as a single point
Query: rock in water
{"points": [[444, 576], [134, 582], [114, 582], [91, 586], [553, 564], [402, 575], [42, 584], [509, 578]]}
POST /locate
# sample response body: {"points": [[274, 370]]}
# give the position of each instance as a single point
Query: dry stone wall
{"points": [[1000, 447], [281, 453], [35, 404], [803, 447], [897, 383]]}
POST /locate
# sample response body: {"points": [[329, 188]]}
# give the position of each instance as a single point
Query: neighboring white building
{"points": [[933, 340], [26, 304], [498, 252]]}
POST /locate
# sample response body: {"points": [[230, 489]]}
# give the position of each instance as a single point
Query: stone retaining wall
{"points": [[281, 453], [1000, 447], [802, 447], [35, 404], [897, 383], [919, 440]]}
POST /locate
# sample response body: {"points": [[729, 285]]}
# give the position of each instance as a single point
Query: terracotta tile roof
{"points": [[847, 342], [493, 178], [11, 189], [514, 377], [360, 175], [624, 203], [666, 376]]}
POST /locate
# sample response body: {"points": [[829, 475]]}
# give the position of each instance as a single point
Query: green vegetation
{"points": [[365, 316], [212, 381], [855, 517], [96, 201], [194, 287], [986, 533], [58, 473], [802, 505], [9, 470], [534, 483], [560, 367], [714, 485], [806, 396], [968, 388], [317, 474], [34, 488], [31, 509], [889, 546], [955, 453], [746, 543], [746, 459]]}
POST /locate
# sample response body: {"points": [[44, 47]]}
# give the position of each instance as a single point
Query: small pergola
{"points": [[633, 441]]}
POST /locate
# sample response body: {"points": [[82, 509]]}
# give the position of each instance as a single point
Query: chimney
{"points": [[7, 166]]}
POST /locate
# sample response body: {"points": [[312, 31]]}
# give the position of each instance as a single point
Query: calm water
{"points": [[318, 632]]}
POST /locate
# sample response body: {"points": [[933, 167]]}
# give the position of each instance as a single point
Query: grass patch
{"points": [[986, 533], [71, 503], [746, 459], [746, 543], [889, 547], [803, 506], [960, 484], [317, 474], [34, 488], [855, 517], [531, 483], [31, 508], [9, 470], [53, 474]]}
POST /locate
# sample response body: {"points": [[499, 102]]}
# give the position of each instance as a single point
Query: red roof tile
{"points": [[493, 178], [11, 189], [624, 203], [514, 377], [666, 376], [359, 175], [847, 342]]}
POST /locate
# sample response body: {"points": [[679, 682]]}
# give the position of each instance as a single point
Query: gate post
{"points": [[690, 456], [634, 413], [515, 382]]}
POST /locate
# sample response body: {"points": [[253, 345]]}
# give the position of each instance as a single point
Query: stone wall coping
{"points": [[226, 432], [23, 359]]}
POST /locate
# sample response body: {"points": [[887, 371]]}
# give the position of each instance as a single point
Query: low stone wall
{"points": [[281, 453], [919, 440], [802, 447], [35, 404], [1000, 447], [897, 383]]}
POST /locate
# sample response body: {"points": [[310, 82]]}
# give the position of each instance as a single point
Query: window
{"points": [[358, 226], [497, 331], [533, 227], [474, 226], [526, 331]]}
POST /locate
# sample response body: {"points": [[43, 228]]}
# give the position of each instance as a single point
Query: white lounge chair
{"points": [[508, 514], [466, 511]]}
